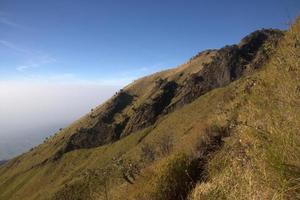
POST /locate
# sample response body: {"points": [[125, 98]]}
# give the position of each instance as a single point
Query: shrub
{"points": [[148, 152], [175, 178], [129, 169], [165, 144]]}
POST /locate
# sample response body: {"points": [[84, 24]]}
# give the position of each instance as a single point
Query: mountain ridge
{"points": [[194, 125], [210, 77]]}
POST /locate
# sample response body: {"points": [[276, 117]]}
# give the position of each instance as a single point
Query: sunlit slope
{"points": [[238, 138], [261, 158]]}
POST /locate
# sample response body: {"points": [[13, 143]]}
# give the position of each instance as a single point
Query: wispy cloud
{"points": [[5, 20], [34, 59], [14, 47], [21, 68]]}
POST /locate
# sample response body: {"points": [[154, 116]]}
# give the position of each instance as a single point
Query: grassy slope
{"points": [[27, 176], [259, 160]]}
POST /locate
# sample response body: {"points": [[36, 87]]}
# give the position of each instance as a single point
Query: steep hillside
{"points": [[224, 125], [141, 104]]}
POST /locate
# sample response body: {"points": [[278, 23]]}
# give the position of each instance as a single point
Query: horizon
{"points": [[62, 58]]}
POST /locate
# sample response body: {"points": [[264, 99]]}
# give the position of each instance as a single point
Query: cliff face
{"points": [[126, 113]]}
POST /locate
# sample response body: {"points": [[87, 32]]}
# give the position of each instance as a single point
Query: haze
{"points": [[30, 111]]}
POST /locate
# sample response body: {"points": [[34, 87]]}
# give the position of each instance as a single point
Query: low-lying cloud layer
{"points": [[33, 111]]}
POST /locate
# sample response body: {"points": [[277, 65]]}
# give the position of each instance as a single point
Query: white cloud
{"points": [[21, 68], [34, 59], [13, 47], [32, 110], [27, 104], [71, 79]]}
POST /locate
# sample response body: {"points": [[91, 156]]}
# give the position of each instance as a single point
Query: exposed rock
{"points": [[205, 52], [121, 100], [148, 112], [105, 130], [229, 64], [167, 94]]}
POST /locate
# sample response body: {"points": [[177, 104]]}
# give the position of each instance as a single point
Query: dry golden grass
{"points": [[260, 159]]}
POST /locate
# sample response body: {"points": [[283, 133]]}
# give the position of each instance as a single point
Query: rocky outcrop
{"points": [[148, 112], [105, 130], [228, 64]]}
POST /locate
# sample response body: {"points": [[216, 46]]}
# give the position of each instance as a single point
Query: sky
{"points": [[59, 58]]}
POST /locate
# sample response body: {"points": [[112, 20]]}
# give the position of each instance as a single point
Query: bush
{"points": [[148, 152], [211, 140], [175, 178], [129, 169], [165, 144]]}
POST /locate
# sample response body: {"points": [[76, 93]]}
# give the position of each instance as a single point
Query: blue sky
{"points": [[113, 42]]}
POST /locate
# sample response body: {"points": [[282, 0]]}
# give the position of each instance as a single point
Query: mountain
{"points": [[224, 125]]}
